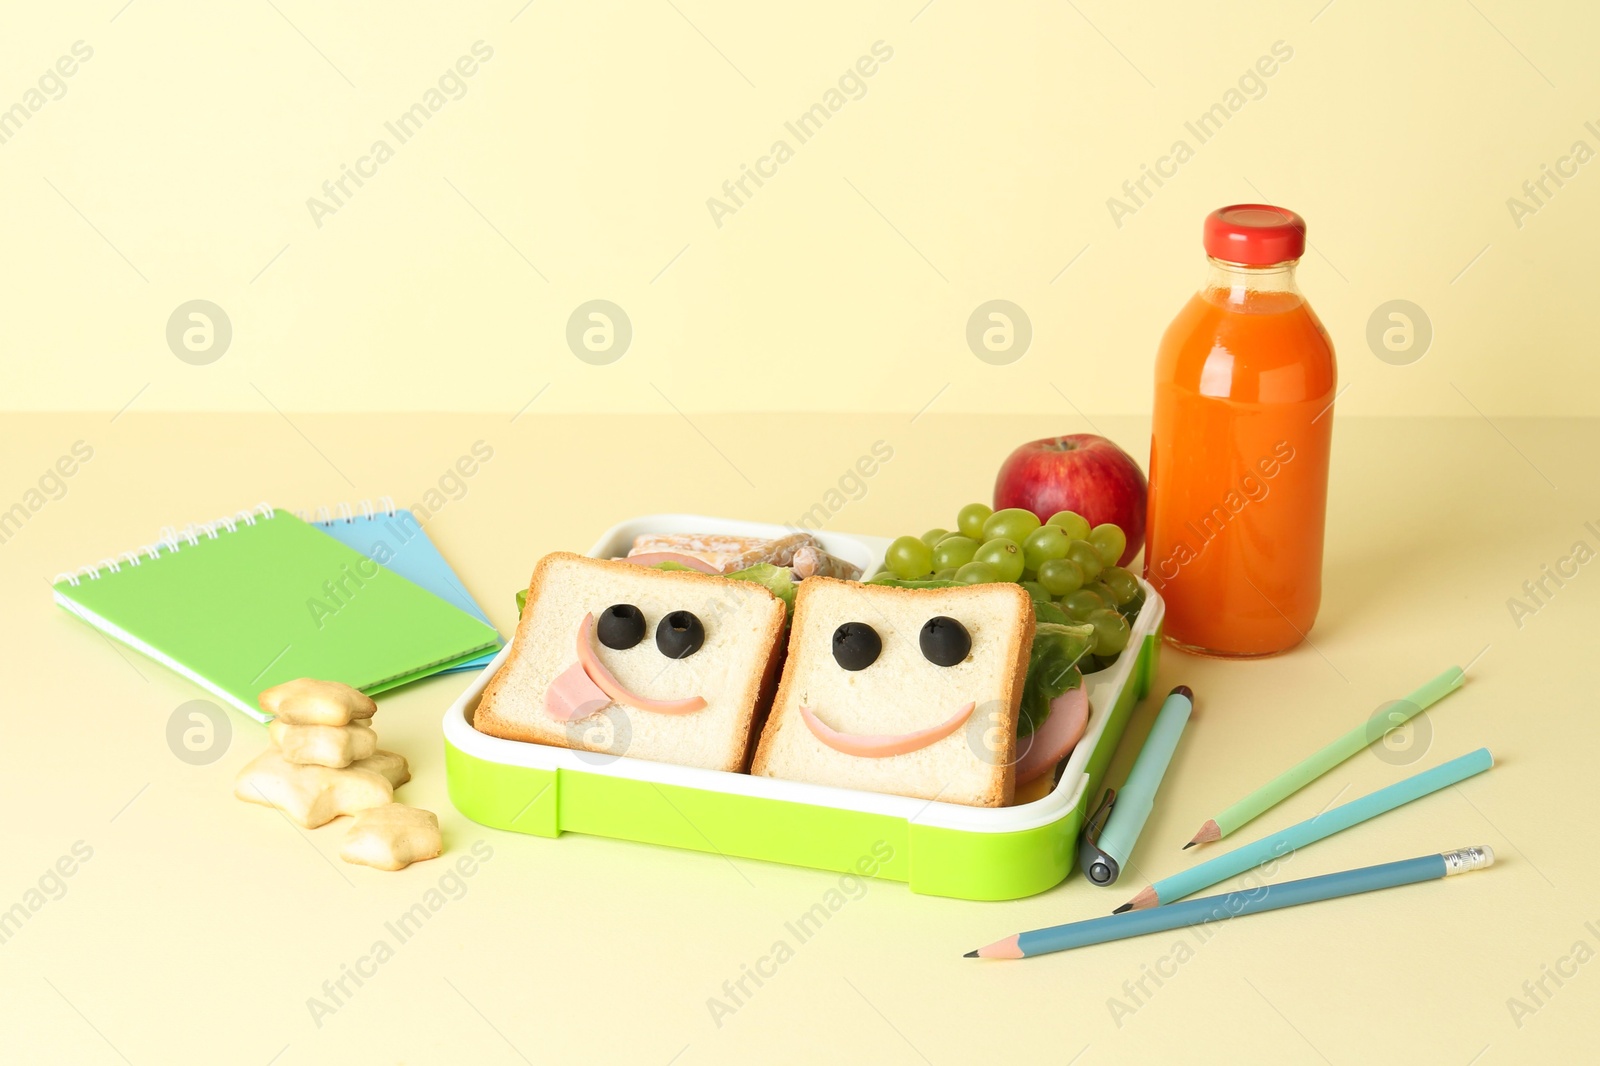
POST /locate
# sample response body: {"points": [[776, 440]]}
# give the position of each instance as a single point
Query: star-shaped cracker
{"points": [[392, 837]]}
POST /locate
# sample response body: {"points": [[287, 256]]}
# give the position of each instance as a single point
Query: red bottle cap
{"points": [[1255, 234]]}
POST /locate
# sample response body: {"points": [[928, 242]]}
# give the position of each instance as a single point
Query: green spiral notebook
{"points": [[243, 603]]}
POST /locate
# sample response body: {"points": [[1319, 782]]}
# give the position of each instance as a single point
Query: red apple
{"points": [[1079, 472]]}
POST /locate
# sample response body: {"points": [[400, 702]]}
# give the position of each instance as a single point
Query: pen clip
{"points": [[1102, 814]]}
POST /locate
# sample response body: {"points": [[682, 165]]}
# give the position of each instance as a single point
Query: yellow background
{"points": [[977, 165]]}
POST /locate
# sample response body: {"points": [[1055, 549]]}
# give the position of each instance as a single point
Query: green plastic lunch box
{"points": [[940, 849]]}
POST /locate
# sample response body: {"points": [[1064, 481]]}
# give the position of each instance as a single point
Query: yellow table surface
{"points": [[200, 928]]}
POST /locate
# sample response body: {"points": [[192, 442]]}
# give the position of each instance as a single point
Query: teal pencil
{"points": [[1236, 904], [1311, 830]]}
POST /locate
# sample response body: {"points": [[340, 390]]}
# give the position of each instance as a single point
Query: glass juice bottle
{"points": [[1245, 383]]}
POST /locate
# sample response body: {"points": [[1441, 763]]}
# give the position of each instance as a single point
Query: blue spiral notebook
{"points": [[394, 539]]}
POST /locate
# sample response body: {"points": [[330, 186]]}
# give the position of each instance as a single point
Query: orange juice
{"points": [[1245, 382]]}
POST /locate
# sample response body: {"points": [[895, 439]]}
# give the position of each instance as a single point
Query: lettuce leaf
{"points": [[778, 580], [893, 582], [1052, 670], [1049, 613]]}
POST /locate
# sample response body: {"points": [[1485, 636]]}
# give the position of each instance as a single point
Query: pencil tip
{"points": [[1189, 845], [1208, 832], [970, 955], [1124, 907]]}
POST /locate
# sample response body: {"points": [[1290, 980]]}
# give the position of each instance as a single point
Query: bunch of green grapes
{"points": [[1062, 562]]}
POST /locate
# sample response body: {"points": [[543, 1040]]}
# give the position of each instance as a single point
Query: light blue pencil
{"points": [[1235, 904], [1310, 831]]}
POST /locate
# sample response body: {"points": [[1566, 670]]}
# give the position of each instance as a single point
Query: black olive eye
{"points": [[680, 635], [856, 645], [621, 626], [944, 641]]}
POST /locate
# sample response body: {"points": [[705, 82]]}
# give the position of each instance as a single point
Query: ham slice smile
{"points": [[880, 745], [586, 686]]}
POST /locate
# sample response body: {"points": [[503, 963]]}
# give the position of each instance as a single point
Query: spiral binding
{"points": [[168, 539], [342, 513]]}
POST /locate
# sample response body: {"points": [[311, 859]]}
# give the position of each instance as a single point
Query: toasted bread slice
{"points": [[902, 697], [743, 632]]}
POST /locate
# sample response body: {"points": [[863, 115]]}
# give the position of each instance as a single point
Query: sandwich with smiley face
{"points": [[611, 657], [911, 691]]}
